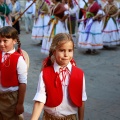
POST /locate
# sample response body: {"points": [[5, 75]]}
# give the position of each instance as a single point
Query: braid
{"points": [[47, 61], [19, 43], [19, 46]]}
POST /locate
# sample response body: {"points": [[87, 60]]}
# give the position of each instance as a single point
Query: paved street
{"points": [[102, 73]]}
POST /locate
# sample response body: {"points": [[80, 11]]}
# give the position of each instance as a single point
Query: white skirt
{"points": [[39, 28], [111, 34], [90, 35], [60, 28]]}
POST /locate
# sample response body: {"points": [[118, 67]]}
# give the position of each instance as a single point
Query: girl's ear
{"points": [[54, 53], [14, 41]]}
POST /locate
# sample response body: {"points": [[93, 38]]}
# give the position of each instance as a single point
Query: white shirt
{"points": [[31, 9], [66, 107], [21, 70]]}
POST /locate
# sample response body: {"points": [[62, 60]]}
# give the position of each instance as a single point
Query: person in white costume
{"points": [[111, 34], [56, 24], [42, 18], [89, 34]]}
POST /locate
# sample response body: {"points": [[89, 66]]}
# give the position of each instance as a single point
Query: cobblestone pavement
{"points": [[102, 73]]}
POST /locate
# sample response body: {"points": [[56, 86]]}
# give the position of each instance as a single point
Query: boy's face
{"points": [[1, 1], [64, 54], [110, 1], [7, 44]]}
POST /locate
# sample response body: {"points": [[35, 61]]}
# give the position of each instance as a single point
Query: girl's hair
{"points": [[57, 42], [10, 32]]}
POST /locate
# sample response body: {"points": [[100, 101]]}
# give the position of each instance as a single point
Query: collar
{"points": [[10, 52], [57, 67]]}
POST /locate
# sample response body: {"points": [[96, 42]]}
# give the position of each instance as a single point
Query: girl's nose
{"points": [[66, 53]]}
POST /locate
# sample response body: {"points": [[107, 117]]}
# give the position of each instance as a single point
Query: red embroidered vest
{"points": [[8, 70], [54, 87]]}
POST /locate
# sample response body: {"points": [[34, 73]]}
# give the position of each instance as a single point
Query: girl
{"points": [[61, 87], [110, 35], [90, 29], [13, 76], [56, 24], [42, 18]]}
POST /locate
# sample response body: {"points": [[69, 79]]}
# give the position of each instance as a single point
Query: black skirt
{"points": [[16, 25]]}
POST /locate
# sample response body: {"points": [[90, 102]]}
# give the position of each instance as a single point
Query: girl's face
{"points": [[64, 54], [7, 44]]}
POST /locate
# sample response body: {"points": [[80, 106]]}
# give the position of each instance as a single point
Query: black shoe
{"points": [[41, 42], [88, 51], [93, 52], [105, 47]]}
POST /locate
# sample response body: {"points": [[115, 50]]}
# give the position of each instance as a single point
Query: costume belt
{"points": [[8, 92], [29, 12], [47, 116]]}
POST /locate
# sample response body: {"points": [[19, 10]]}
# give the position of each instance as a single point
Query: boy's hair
{"points": [[10, 32], [58, 41]]}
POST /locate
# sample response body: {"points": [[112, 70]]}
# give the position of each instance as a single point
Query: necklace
{"points": [[6, 60]]}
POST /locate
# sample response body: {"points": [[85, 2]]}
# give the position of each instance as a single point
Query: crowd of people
{"points": [[61, 90], [92, 24], [97, 26]]}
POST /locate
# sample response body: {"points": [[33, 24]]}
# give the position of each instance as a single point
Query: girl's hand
{"points": [[12, 15], [4, 16], [80, 20]]}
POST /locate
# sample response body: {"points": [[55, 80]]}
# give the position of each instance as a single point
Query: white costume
{"points": [[90, 30], [56, 26], [41, 21], [111, 34]]}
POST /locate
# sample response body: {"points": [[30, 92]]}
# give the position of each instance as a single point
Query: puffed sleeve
{"points": [[40, 94]]}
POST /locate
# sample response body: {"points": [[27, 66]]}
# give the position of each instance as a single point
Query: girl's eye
{"points": [[4, 41], [61, 50], [70, 50]]}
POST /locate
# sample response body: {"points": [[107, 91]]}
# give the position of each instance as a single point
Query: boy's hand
{"points": [[19, 109]]}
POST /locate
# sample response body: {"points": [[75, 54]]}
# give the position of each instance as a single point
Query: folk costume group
{"points": [[98, 27], [51, 19]]}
